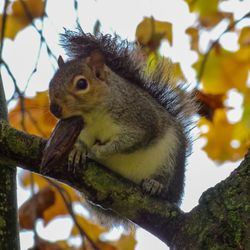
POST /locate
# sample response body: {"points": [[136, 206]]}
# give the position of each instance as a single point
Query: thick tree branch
{"points": [[98, 184], [220, 221]]}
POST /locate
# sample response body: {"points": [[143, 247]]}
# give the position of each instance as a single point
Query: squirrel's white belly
{"points": [[144, 163]]}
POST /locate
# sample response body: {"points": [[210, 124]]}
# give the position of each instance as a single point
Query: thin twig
{"points": [[12, 77], [39, 49], [203, 63], [18, 92], [67, 200], [76, 10], [29, 15]]}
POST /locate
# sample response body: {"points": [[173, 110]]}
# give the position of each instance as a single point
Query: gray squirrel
{"points": [[137, 122]]}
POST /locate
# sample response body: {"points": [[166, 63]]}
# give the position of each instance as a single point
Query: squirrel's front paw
{"points": [[97, 151], [152, 186], [77, 158], [100, 150]]}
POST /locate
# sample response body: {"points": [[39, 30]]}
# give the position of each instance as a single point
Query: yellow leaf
{"points": [[242, 128], [92, 230], [203, 7], [32, 9], [244, 38], [171, 70], [126, 242], [209, 14], [220, 137], [177, 73], [224, 70], [194, 34], [150, 32], [19, 18], [210, 20], [33, 116], [13, 25]]}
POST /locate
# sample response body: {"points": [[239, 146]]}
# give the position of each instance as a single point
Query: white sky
{"points": [[121, 17]]}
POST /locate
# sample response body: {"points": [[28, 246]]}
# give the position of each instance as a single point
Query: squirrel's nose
{"points": [[56, 110]]}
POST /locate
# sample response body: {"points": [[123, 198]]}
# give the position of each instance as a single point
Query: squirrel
{"points": [[137, 122]]}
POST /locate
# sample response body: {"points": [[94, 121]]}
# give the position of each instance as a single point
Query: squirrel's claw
{"points": [[77, 159], [152, 186]]}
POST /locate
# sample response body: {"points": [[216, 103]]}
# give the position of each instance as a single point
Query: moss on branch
{"points": [[220, 221]]}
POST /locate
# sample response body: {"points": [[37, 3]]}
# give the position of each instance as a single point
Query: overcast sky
{"points": [[121, 17]]}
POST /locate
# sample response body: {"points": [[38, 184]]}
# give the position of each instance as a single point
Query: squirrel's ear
{"points": [[60, 61], [96, 62]]}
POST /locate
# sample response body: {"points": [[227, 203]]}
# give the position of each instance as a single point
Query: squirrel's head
{"points": [[79, 86]]}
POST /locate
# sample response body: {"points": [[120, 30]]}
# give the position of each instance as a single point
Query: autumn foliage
{"points": [[219, 71]]}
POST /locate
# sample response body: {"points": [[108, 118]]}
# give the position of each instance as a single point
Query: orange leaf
{"points": [[126, 242], [103, 246], [92, 230], [208, 103], [150, 32], [40, 181], [59, 207], [34, 8], [34, 207], [33, 116], [46, 245], [19, 18]]}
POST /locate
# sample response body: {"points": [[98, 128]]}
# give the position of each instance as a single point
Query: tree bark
{"points": [[9, 235], [220, 221]]}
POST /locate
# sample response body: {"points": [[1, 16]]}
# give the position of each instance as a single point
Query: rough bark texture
{"points": [[220, 221], [9, 235], [222, 218]]}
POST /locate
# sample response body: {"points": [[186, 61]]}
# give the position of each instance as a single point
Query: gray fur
{"points": [[146, 108]]}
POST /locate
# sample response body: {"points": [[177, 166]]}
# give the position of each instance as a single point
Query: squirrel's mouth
{"points": [[56, 110]]}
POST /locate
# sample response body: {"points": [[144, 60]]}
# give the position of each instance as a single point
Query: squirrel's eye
{"points": [[81, 83]]}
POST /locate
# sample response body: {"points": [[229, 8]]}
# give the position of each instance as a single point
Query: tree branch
{"points": [[98, 184], [9, 235], [220, 221]]}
